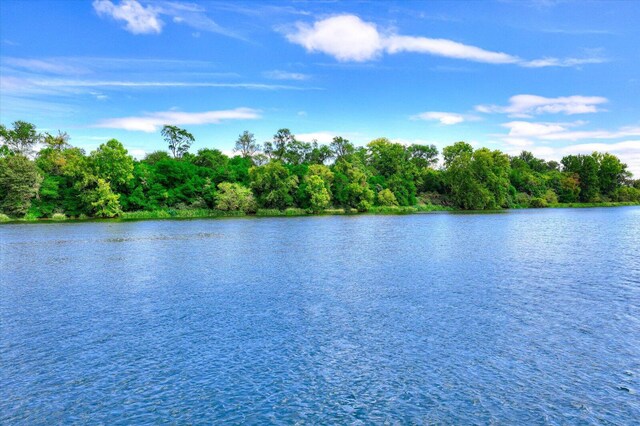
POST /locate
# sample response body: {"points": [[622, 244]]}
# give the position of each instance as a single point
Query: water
{"points": [[527, 317]]}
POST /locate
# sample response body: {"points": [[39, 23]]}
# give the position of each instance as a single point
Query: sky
{"points": [[550, 77]]}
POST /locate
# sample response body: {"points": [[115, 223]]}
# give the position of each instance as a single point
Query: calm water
{"points": [[527, 317]]}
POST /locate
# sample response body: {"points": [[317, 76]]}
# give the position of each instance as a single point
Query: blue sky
{"points": [[552, 77]]}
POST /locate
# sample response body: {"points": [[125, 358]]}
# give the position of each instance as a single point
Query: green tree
{"points": [[611, 173], [21, 139], [179, 140], [113, 163], [423, 155], [57, 142], [281, 142], [477, 179], [387, 198], [234, 197], [273, 185], [341, 147], [19, 183], [103, 201], [586, 167], [246, 145], [318, 187], [350, 185]]}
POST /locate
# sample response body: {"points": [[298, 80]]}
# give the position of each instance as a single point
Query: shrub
{"points": [[387, 198], [538, 202], [30, 217], [523, 200], [59, 216], [234, 197], [4, 218], [550, 197]]}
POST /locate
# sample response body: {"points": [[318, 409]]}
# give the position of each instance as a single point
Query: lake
{"points": [[523, 317]]}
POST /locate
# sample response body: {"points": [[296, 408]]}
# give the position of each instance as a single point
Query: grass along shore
{"points": [[290, 212]]}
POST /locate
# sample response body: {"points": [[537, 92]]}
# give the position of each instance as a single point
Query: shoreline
{"points": [[170, 214]]}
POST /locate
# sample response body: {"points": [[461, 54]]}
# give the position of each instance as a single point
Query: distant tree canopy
{"points": [[286, 172]]}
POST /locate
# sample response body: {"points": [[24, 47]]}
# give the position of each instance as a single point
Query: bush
{"points": [[627, 194], [538, 202], [387, 198], [4, 218], [550, 197], [234, 197], [30, 217], [523, 200], [59, 216]]}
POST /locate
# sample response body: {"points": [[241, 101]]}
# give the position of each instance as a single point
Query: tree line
{"points": [[288, 173]]}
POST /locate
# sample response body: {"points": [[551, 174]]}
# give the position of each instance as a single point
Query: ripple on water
{"points": [[529, 317]]}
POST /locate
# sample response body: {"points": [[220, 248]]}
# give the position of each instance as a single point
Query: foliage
{"points": [[234, 197], [104, 202], [21, 138], [20, 181], [387, 198], [178, 140], [246, 145], [59, 217], [290, 177], [112, 163], [273, 185], [318, 186]]}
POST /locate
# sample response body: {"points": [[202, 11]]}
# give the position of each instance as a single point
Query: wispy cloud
{"points": [[284, 75], [565, 62], [350, 39], [158, 84], [151, 122], [446, 118], [140, 19], [26, 87], [529, 105]]}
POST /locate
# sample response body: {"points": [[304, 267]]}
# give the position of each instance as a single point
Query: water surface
{"points": [[526, 317]]}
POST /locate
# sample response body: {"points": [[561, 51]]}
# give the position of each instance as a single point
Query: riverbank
{"points": [[291, 212]]}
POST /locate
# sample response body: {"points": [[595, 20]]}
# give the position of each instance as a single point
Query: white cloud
{"points": [[346, 37], [592, 134], [350, 39], [528, 105], [562, 62], [446, 118], [26, 86], [524, 129], [537, 137], [146, 20], [561, 132], [446, 48], [139, 19], [49, 66], [153, 121], [284, 75]]}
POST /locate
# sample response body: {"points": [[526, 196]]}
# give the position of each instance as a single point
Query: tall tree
{"points": [[341, 147], [179, 140], [246, 145], [113, 163], [423, 155], [19, 184], [273, 185], [21, 139], [57, 142]]}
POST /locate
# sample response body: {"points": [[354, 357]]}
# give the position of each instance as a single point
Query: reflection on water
{"points": [[526, 317]]}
